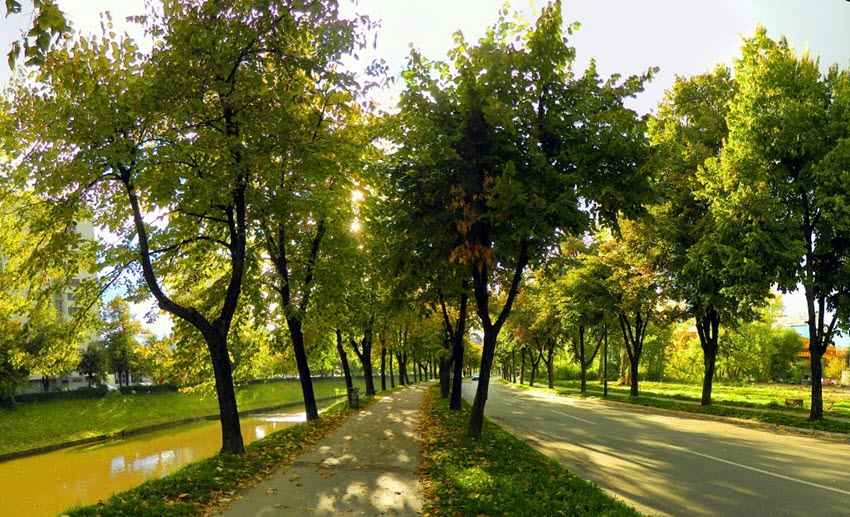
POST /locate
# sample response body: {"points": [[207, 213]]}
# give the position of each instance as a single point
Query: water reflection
{"points": [[49, 483]]}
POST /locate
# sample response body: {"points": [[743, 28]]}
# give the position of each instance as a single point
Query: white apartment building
{"points": [[64, 302]]}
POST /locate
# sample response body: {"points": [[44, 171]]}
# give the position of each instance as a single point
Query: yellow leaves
{"points": [[468, 253]]}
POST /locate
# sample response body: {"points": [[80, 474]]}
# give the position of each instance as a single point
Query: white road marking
{"points": [[760, 471], [571, 416]]}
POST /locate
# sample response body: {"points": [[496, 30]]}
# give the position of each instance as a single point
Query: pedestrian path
{"points": [[366, 467]]}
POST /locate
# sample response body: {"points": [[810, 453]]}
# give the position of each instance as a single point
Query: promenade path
{"points": [[366, 467]]}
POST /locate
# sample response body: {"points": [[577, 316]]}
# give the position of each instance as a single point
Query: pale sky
{"points": [[627, 37]]}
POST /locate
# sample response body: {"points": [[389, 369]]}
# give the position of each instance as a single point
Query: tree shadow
{"points": [[677, 464]]}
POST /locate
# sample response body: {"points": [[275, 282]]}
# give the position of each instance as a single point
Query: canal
{"points": [[47, 484]]}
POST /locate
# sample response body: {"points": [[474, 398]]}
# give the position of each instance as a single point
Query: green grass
{"points": [[769, 414], [771, 396], [201, 487], [498, 474], [759, 396], [40, 424]]}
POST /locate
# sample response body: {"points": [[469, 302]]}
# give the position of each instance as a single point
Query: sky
{"points": [[681, 37]]}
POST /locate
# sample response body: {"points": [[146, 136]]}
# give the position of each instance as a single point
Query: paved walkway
{"points": [[366, 467]]}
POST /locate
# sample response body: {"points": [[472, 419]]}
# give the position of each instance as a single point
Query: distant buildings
{"points": [[64, 302]]}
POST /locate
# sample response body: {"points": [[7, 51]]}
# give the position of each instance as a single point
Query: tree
{"points": [[94, 364], [628, 264], [517, 151], [535, 325], [163, 134], [584, 301], [783, 179], [121, 340], [703, 265], [48, 25], [317, 142], [343, 359]]}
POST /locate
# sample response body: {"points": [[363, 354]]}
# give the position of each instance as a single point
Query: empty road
{"points": [[679, 465]]}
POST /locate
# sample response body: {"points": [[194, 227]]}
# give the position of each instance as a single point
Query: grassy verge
{"points": [[204, 486], [40, 424], [758, 396], [498, 474], [767, 416]]}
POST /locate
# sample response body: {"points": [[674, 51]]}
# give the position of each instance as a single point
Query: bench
{"points": [[794, 402], [354, 398]]}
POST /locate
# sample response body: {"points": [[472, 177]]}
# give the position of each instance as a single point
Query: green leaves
{"points": [[48, 26], [779, 175]]}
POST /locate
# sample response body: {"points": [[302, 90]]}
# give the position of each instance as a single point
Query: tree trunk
{"points": [[535, 364], [392, 376], [416, 371], [709, 360], [231, 432], [401, 367], [605, 365], [365, 356], [624, 367], [550, 364], [522, 366], [445, 374], [583, 378], [708, 325], [383, 367], [816, 412], [581, 361], [457, 376], [633, 376], [457, 353], [343, 359], [633, 336], [513, 365], [476, 417], [406, 376], [295, 332]]}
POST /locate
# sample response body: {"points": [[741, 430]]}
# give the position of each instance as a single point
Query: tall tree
{"points": [[162, 141], [701, 260], [313, 130], [783, 179], [518, 151], [584, 302], [628, 263], [121, 339]]}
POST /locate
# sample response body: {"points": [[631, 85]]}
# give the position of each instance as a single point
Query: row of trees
{"points": [[762, 350], [247, 183], [749, 191]]}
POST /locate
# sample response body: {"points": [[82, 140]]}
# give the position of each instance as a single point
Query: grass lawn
{"points": [[762, 396], [498, 474], [201, 487], [39, 424], [766, 413]]}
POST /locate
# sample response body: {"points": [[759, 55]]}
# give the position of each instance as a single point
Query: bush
{"points": [[155, 388], [82, 393]]}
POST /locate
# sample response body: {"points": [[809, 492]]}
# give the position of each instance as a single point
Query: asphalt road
{"points": [[678, 465]]}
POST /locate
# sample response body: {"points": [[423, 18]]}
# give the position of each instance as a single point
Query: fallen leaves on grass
{"points": [[497, 474]]}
